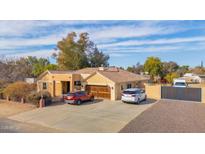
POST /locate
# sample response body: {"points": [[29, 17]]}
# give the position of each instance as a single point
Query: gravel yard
{"points": [[169, 116]]}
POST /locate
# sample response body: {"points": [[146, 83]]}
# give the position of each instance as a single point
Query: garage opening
{"points": [[99, 91]]}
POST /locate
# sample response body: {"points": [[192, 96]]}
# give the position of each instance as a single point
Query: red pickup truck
{"points": [[77, 97]]}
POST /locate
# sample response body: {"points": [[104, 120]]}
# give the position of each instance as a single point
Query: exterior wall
{"points": [[200, 85], [153, 91], [203, 94], [58, 88], [85, 75], [61, 77], [118, 91], [75, 77], [54, 82], [98, 79], [47, 80], [141, 84]]}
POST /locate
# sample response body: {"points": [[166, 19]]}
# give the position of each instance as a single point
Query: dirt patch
{"points": [[11, 108]]}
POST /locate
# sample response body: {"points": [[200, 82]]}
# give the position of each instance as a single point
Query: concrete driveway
{"points": [[11, 126], [99, 116]]}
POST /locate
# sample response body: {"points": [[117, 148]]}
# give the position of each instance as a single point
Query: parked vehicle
{"points": [[133, 95], [180, 83], [77, 97]]}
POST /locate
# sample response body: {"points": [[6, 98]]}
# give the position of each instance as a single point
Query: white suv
{"points": [[180, 83], [133, 95]]}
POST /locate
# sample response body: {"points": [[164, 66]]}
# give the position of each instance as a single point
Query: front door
{"points": [[65, 87]]}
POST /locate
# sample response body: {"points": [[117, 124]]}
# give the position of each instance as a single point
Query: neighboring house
{"points": [[108, 82], [30, 80], [193, 78]]}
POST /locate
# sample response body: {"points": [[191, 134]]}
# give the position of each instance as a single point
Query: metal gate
{"points": [[188, 94]]}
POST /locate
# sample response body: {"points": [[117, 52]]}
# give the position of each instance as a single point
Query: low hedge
{"points": [[18, 90], [35, 97]]}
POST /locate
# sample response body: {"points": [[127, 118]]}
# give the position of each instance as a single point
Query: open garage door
{"points": [[99, 91]]}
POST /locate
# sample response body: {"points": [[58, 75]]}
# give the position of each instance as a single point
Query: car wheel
{"points": [[78, 102], [145, 98], [92, 99], [138, 101]]}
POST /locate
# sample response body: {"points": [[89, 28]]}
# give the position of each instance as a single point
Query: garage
{"points": [[99, 91]]}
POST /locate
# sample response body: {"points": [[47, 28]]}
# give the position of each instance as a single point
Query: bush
{"points": [[171, 76], [18, 90], [3, 85], [35, 97]]}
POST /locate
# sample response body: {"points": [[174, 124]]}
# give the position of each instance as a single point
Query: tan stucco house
{"points": [[103, 82]]}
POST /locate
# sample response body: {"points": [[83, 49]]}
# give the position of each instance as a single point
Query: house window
{"points": [[129, 86], [77, 83], [44, 85]]}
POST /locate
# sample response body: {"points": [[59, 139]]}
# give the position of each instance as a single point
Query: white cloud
{"points": [[153, 42], [22, 27], [130, 31], [99, 34], [39, 53], [120, 51]]}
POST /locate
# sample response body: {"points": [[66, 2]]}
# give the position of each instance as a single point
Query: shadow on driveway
{"points": [[148, 101], [59, 101]]}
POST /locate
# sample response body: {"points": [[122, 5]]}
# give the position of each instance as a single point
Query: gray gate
{"points": [[188, 94]]}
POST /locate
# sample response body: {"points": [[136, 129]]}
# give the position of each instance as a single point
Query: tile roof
{"points": [[113, 73], [122, 76], [87, 70], [61, 72]]}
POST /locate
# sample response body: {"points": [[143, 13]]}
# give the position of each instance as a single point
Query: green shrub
{"points": [[171, 76], [18, 90], [35, 97]]}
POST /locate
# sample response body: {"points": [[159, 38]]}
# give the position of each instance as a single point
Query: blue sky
{"points": [[127, 42]]}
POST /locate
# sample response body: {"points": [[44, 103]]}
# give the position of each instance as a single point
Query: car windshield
{"points": [[180, 84], [70, 94], [80, 93], [131, 92]]}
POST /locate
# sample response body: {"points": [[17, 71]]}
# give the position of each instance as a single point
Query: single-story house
{"points": [[30, 80], [103, 82], [193, 78]]}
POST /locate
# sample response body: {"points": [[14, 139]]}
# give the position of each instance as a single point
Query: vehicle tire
{"points": [[92, 99], [78, 102], [138, 101], [145, 98]]}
